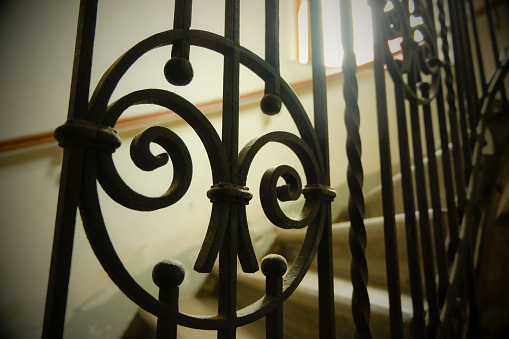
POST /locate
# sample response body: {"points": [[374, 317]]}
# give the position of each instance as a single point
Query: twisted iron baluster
{"points": [[451, 102], [355, 177]]}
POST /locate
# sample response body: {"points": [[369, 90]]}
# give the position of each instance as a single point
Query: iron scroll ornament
{"points": [[419, 58], [99, 167]]}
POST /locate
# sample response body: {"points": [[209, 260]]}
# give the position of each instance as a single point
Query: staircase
{"points": [[427, 228], [301, 309]]}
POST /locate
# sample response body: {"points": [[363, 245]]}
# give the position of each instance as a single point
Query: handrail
{"points": [[47, 137]]}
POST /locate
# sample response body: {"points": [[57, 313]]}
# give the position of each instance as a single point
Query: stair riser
{"points": [[375, 250]]}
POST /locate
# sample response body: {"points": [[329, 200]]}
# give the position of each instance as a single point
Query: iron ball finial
{"points": [[168, 273], [178, 71], [270, 104], [274, 265]]}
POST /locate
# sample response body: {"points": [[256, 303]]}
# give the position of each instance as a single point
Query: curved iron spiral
{"points": [[419, 57], [100, 167]]}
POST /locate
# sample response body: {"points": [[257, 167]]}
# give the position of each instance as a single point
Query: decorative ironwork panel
{"points": [[89, 140], [431, 93]]}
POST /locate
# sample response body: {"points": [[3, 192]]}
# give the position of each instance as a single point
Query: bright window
{"points": [[363, 34]]}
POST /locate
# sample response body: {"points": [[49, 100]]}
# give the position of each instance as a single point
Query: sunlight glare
{"points": [[363, 39]]}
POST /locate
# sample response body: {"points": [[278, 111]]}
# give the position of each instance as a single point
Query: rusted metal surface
{"points": [[434, 250], [227, 237]]}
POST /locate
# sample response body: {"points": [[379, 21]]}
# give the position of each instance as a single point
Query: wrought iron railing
{"points": [[428, 88]]}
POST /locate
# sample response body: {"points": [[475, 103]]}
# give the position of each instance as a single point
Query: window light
{"points": [[332, 32], [363, 37]]}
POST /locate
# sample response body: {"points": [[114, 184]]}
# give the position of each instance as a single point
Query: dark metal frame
{"points": [[446, 251]]}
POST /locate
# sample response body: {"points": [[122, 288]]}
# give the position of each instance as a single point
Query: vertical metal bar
{"points": [[452, 216], [319, 80], [494, 46], [271, 102], [491, 26], [468, 222], [178, 70], [56, 298], [422, 203], [453, 118], [227, 296], [391, 248], [272, 40], [471, 87], [355, 177], [182, 20], [412, 241], [274, 267], [168, 275], [460, 83], [472, 296], [478, 48], [63, 239], [325, 268], [438, 227]]}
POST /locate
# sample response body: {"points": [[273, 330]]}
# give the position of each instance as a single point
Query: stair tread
{"points": [[206, 307], [343, 289]]}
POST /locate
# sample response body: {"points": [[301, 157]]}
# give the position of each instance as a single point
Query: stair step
{"points": [[288, 244], [373, 197], [301, 308], [197, 306]]}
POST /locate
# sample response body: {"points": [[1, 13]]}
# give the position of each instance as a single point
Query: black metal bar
{"points": [[470, 281], [438, 227], [491, 26], [391, 248], [452, 216], [274, 267], [56, 297], [168, 275], [471, 87], [460, 83], [468, 222], [178, 70], [63, 240], [325, 257], [271, 102], [478, 49], [355, 178], [227, 295], [82, 67], [458, 159], [494, 45], [422, 203], [182, 20], [414, 265], [452, 220], [272, 40]]}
